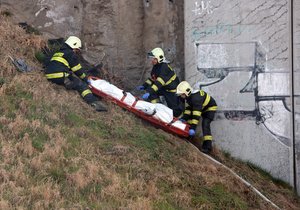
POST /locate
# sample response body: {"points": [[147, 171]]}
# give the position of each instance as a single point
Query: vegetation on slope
{"points": [[56, 153]]}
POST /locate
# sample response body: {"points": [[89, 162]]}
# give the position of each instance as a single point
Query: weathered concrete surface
{"points": [[120, 32], [296, 79], [238, 51]]}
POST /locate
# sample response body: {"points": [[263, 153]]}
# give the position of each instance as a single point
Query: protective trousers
{"points": [[207, 118], [74, 83]]}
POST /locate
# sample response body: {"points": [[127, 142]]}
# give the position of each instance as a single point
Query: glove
{"points": [[182, 120], [146, 96], [141, 87], [192, 132], [85, 80]]}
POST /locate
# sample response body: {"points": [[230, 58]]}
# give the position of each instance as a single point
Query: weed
{"points": [[267, 175], [6, 13], [98, 128], [57, 174], [163, 205], [165, 186], [106, 146], [147, 139], [93, 188], [217, 197], [74, 120], [39, 138], [2, 81], [74, 142]]}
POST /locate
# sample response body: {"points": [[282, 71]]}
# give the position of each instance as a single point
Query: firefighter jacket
{"points": [[198, 103], [162, 76], [63, 63]]}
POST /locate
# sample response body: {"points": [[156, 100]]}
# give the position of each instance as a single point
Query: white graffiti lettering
{"points": [[203, 7]]}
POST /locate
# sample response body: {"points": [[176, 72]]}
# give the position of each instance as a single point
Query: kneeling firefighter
{"points": [[198, 104], [62, 67]]}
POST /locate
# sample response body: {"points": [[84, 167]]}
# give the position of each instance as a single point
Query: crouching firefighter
{"points": [[163, 82], [198, 104], [62, 67]]}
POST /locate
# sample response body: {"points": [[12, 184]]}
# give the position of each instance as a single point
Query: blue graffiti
{"points": [[202, 32]]}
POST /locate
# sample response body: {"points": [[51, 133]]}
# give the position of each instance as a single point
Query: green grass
{"points": [[217, 197], [57, 173], [86, 160], [164, 205], [41, 112], [147, 139], [39, 139], [268, 175], [73, 120], [85, 136], [106, 146], [2, 81], [98, 129], [73, 144]]}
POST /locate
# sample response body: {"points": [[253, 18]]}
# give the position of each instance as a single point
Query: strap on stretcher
{"points": [[170, 128], [124, 96], [134, 103]]}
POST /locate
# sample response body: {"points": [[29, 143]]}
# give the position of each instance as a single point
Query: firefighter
{"points": [[63, 67], [198, 104], [163, 82]]}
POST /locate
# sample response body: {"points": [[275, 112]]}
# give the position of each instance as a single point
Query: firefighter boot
{"points": [[98, 106], [206, 146]]}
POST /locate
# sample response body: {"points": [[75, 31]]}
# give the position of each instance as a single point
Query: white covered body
{"points": [[159, 111]]}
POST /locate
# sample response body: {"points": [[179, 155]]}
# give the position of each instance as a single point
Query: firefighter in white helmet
{"points": [[63, 67], [198, 104], [163, 82]]}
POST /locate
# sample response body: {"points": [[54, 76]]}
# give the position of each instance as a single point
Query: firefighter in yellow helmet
{"points": [[198, 104], [163, 82], [63, 67]]}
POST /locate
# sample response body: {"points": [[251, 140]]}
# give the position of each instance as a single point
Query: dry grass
{"points": [[15, 43], [56, 153]]}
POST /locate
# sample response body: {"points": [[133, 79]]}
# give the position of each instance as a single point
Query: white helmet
{"points": [[157, 53], [184, 88], [74, 42]]}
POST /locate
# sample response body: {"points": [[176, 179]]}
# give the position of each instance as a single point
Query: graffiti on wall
{"points": [[44, 5], [199, 33], [253, 93], [203, 7]]}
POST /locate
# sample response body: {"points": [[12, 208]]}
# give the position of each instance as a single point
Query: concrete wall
{"points": [[119, 33], [296, 45], [239, 51]]}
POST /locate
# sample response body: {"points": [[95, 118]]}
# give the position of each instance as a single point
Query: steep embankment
{"points": [[57, 153]]}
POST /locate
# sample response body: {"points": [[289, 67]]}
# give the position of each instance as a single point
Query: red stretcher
{"points": [[168, 127]]}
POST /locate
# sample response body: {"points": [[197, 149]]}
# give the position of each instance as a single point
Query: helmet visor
{"points": [[150, 55]]}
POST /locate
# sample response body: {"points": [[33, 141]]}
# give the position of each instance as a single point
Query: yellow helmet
{"points": [[157, 53], [184, 88], [74, 42]]}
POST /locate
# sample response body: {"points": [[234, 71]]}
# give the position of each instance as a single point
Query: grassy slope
{"points": [[57, 153]]}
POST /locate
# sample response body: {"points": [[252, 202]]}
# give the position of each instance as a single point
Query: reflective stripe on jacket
{"points": [[63, 63], [196, 104], [162, 76]]}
